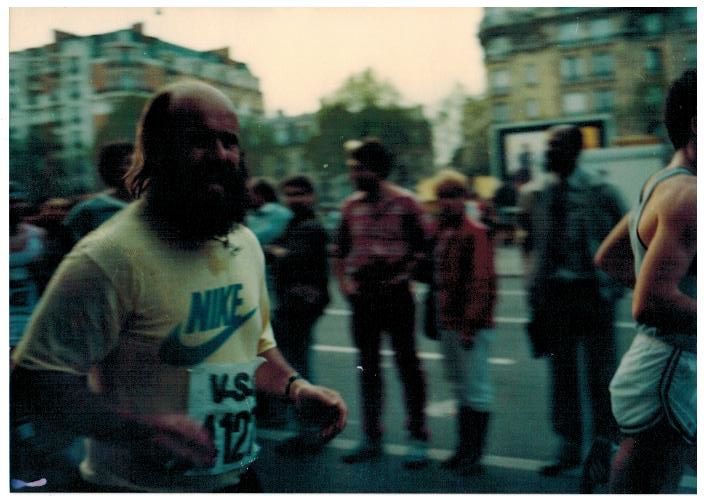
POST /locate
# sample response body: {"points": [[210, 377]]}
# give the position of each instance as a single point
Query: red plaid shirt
{"points": [[380, 241]]}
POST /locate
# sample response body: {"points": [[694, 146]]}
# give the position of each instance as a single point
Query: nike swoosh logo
{"points": [[174, 352]]}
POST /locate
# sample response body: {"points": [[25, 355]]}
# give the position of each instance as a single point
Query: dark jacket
{"points": [[301, 276]]}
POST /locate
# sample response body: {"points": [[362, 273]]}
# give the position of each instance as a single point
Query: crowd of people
{"points": [[182, 312]]}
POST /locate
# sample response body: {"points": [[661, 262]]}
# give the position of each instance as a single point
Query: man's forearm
{"points": [[63, 402]]}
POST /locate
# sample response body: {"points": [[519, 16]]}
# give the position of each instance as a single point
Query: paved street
{"points": [[520, 440]]}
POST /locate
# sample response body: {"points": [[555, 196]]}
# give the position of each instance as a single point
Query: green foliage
{"points": [[363, 107], [257, 142], [363, 90], [121, 125], [32, 163], [472, 158]]}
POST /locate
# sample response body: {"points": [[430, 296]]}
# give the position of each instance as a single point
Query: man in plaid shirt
{"points": [[380, 240]]}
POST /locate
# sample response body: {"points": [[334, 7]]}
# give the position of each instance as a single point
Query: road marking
{"points": [[344, 312], [444, 408], [423, 355], [439, 454]]}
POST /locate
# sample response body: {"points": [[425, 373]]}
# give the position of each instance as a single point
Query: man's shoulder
{"points": [[676, 197], [276, 210], [395, 191]]}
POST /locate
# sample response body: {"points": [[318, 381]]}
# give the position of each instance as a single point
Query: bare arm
{"points": [[657, 298], [64, 403], [614, 255], [316, 401]]}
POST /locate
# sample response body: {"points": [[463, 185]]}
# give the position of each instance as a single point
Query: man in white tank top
{"points": [[653, 249]]}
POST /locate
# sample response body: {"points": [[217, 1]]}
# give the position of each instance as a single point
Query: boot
{"points": [[473, 427], [480, 428], [464, 439]]}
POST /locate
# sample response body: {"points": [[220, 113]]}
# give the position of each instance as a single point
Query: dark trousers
{"points": [[293, 329], [594, 333], [391, 311]]}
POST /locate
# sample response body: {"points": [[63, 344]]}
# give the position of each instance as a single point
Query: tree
{"points": [[472, 157], [364, 90], [121, 123], [364, 106], [258, 143]]}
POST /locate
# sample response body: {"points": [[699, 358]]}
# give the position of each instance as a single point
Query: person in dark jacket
{"points": [[300, 275], [300, 269]]}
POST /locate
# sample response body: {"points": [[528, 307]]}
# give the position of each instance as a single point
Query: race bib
{"points": [[222, 396]]}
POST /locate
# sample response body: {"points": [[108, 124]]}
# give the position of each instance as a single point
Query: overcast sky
{"points": [[299, 54]]}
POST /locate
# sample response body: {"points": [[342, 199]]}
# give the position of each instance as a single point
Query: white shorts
{"points": [[655, 381]]}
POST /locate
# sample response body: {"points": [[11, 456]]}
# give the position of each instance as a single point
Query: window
{"points": [[531, 74], [500, 112], [653, 60], [653, 24], [572, 69], [500, 80], [604, 100], [689, 15], [600, 29], [532, 109], [569, 33], [77, 141], [74, 65], [75, 90], [498, 47], [127, 81], [653, 96], [691, 55], [603, 64], [574, 103]]}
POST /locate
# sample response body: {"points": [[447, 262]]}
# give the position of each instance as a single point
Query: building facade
{"points": [[604, 68], [64, 93]]}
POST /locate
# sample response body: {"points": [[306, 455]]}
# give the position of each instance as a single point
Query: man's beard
{"points": [[201, 205]]}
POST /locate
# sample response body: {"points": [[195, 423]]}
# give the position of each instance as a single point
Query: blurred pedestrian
{"points": [[300, 272], [465, 292], [114, 160], [380, 240], [653, 249], [572, 303], [27, 256], [300, 268], [154, 332], [267, 217]]}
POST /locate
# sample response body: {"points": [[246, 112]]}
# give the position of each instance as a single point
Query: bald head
{"points": [[188, 161], [171, 116]]}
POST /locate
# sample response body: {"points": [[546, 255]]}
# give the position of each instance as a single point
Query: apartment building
{"points": [[605, 68], [63, 93]]}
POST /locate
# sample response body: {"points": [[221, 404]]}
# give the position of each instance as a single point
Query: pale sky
{"points": [[299, 54]]}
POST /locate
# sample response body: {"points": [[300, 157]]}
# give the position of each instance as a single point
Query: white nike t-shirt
{"points": [[159, 321]]}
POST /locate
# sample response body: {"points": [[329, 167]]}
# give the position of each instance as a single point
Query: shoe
{"points": [[560, 466], [369, 450], [597, 465], [298, 445], [417, 456], [569, 457], [455, 461]]}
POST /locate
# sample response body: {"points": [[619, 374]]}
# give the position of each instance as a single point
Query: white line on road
{"points": [[439, 454], [423, 355], [344, 312]]}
